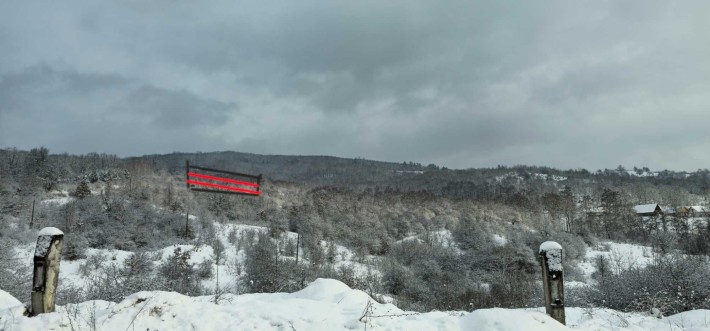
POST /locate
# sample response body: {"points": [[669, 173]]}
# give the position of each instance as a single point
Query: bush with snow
{"points": [[671, 284]]}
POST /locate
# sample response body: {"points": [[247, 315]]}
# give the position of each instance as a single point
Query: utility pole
{"points": [[187, 206], [298, 241]]}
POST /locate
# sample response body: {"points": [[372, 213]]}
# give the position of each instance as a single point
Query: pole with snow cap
{"points": [[552, 280], [48, 253]]}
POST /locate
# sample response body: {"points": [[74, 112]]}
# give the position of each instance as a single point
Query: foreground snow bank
{"points": [[325, 304], [7, 301]]}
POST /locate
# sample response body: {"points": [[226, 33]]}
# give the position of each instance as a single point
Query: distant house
{"points": [[697, 211], [652, 209], [676, 212]]}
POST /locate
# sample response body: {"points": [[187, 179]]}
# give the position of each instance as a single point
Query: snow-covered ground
{"points": [[443, 237], [619, 256], [58, 198], [58, 201], [325, 304]]}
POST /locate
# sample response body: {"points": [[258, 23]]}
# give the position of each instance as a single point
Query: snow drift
{"points": [[325, 304]]}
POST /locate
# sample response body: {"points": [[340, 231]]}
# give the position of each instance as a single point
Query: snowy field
{"points": [[619, 256], [325, 304]]}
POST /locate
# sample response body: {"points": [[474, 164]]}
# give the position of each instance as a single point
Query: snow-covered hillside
{"points": [[325, 304], [72, 275]]}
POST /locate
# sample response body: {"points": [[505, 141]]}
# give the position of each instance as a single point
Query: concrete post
{"points": [[48, 254], [552, 280]]}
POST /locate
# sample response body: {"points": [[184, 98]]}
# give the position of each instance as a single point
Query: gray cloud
{"points": [[66, 110], [459, 83], [175, 109]]}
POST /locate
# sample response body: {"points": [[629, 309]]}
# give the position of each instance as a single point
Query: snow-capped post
{"points": [[48, 253], [551, 261]]}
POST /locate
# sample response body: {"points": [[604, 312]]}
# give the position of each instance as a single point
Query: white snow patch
{"points": [[7, 301], [555, 178], [554, 259], [440, 237], [325, 304], [500, 240], [642, 174], [553, 252], [50, 231], [416, 172], [550, 245], [58, 201]]}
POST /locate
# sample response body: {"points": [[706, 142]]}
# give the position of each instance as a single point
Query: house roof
{"points": [[697, 209], [646, 209]]}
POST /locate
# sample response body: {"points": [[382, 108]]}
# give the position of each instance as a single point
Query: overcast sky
{"points": [[462, 84]]}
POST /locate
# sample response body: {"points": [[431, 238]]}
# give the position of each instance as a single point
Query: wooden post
{"points": [[298, 242], [32, 218], [48, 254], [187, 220], [601, 266], [552, 280]]}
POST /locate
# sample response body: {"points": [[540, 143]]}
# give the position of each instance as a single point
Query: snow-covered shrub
{"points": [[472, 234], [513, 290], [177, 274], [74, 246], [672, 284], [396, 277], [409, 251], [232, 236], [204, 269], [105, 284], [113, 282], [138, 265], [331, 253], [82, 190], [346, 274], [664, 242], [262, 266], [68, 293], [218, 251], [573, 246], [290, 247], [92, 263]]}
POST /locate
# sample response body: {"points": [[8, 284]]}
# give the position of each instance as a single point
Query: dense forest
{"points": [[435, 238]]}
